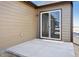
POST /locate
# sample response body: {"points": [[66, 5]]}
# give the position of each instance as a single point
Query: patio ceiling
{"points": [[38, 4], [41, 3]]}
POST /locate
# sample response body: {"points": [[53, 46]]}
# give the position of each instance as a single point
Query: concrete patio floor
{"points": [[3, 54]]}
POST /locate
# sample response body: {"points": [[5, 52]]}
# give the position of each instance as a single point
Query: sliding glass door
{"points": [[50, 24]]}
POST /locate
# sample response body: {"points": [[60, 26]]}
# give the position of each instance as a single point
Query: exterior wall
{"points": [[76, 48], [76, 44], [17, 23], [66, 18]]}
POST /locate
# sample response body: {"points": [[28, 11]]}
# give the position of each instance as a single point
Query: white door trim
{"points": [[41, 25], [49, 24]]}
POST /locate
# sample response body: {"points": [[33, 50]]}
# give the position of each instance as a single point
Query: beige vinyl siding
{"points": [[18, 23], [66, 18], [76, 48]]}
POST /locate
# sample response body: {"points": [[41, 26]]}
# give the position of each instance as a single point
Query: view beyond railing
{"points": [[76, 30], [76, 34]]}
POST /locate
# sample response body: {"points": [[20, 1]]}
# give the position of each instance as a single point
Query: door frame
{"points": [[50, 24]]}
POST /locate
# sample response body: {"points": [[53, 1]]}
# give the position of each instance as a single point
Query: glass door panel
{"points": [[45, 25], [55, 24]]}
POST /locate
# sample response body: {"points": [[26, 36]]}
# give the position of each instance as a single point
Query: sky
{"points": [[76, 13]]}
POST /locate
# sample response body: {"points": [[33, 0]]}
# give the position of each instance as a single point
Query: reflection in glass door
{"points": [[51, 25], [55, 24]]}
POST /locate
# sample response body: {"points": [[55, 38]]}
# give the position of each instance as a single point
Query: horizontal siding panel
{"points": [[17, 23]]}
